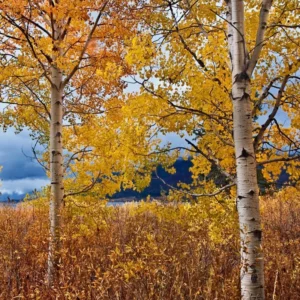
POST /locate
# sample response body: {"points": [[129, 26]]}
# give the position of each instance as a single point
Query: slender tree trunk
{"points": [[252, 278], [56, 172]]}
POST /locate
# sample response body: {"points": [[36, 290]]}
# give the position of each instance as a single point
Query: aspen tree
{"points": [[51, 54], [252, 277], [226, 70]]}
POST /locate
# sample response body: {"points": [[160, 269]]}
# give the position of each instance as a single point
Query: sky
{"points": [[20, 174]]}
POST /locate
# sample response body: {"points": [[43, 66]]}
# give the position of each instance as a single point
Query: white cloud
{"points": [[22, 186]]}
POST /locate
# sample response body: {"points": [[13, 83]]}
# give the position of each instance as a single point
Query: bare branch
{"points": [[35, 156]]}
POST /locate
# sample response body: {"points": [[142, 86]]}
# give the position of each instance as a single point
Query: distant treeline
{"points": [[158, 188]]}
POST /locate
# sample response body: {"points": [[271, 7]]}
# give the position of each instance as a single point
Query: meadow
{"points": [[146, 251]]}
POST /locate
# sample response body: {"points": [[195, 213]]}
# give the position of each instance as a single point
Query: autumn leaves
{"points": [[65, 67]]}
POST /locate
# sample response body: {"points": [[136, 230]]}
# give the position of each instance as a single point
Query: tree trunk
{"points": [[56, 173], [252, 278]]}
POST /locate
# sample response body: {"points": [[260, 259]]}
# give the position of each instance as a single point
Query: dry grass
{"points": [[149, 251]]}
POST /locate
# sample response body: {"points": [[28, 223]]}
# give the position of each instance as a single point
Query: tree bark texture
{"points": [[251, 276], [56, 169]]}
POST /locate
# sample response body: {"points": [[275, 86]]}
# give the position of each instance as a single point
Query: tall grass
{"points": [[145, 251]]}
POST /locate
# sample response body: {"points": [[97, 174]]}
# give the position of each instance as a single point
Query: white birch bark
{"points": [[56, 168], [251, 276], [58, 84]]}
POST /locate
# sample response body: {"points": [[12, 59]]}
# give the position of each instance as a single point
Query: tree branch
{"points": [[282, 159], [67, 79], [186, 46], [213, 161], [263, 96], [85, 189], [37, 25], [219, 191], [271, 116], [27, 37], [262, 26], [73, 156]]}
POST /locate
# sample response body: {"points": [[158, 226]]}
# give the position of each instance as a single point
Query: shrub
{"points": [[146, 251]]}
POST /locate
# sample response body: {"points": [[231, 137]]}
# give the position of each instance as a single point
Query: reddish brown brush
{"points": [[150, 251]]}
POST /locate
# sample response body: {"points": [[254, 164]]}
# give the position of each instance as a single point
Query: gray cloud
{"points": [[15, 163]]}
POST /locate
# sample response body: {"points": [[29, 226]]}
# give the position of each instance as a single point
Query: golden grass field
{"points": [[146, 251]]}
